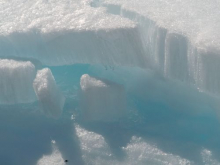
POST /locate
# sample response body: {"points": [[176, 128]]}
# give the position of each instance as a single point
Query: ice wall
{"points": [[180, 38], [16, 79], [48, 93], [163, 35], [102, 100], [137, 151]]}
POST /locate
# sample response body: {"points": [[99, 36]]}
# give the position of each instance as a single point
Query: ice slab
{"points": [[101, 100], [66, 32], [16, 79], [48, 93]]}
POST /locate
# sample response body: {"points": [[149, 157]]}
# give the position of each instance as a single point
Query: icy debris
{"points": [[48, 93], [102, 100], [16, 79]]}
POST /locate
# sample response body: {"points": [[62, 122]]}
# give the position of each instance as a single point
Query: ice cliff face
{"points": [[161, 35]]}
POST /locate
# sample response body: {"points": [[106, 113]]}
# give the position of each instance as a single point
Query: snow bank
{"points": [[16, 79], [102, 100], [48, 93]]}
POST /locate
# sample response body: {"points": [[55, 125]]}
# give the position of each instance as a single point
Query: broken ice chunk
{"points": [[102, 100], [16, 79], [48, 93]]}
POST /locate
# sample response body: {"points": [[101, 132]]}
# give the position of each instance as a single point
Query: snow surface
{"points": [[16, 79], [102, 100], [48, 93]]}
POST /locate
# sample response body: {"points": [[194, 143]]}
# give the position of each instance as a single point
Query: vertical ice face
{"points": [[16, 79], [180, 38], [102, 100], [48, 93]]}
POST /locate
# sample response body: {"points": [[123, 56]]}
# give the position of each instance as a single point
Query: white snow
{"points": [[102, 100], [16, 79], [48, 93]]}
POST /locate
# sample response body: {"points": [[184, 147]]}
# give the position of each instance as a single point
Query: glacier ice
{"points": [[48, 93], [16, 79], [148, 61], [102, 100], [180, 44]]}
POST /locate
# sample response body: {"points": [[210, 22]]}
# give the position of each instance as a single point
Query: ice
{"points": [[102, 100], [16, 79], [163, 35], [48, 93], [208, 158], [181, 38], [54, 159], [197, 20], [138, 152], [67, 32], [135, 86]]}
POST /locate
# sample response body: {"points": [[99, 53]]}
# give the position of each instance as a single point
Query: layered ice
{"points": [[67, 32], [180, 38], [48, 93], [180, 44], [102, 100], [16, 79]]}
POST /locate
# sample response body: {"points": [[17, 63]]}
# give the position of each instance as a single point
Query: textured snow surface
{"points": [[102, 100], [48, 93], [16, 79]]}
